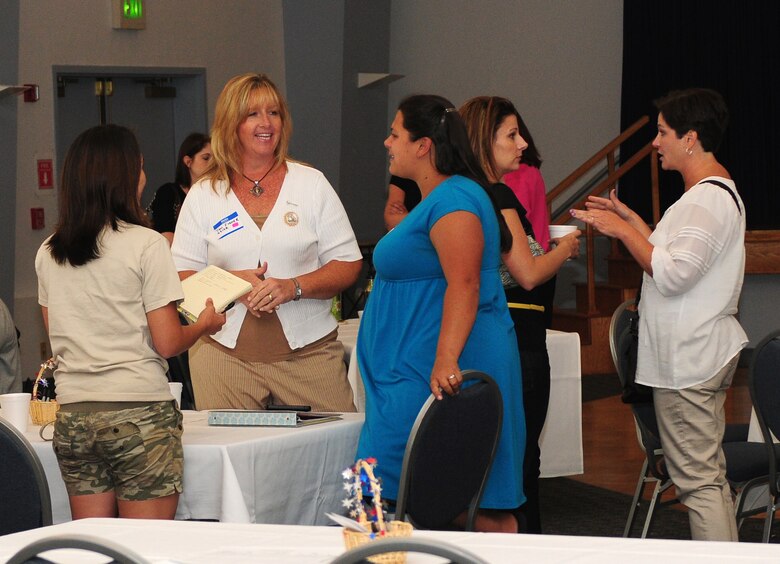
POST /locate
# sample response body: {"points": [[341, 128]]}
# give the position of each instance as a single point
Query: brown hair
{"points": [[191, 146], [483, 116], [99, 188], [699, 109]]}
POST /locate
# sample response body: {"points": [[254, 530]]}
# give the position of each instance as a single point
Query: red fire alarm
{"points": [[36, 218], [45, 174], [31, 93]]}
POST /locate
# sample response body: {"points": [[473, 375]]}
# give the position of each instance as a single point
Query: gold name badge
{"points": [[291, 219]]}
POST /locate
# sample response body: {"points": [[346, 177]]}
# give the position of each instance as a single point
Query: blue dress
{"points": [[399, 332]]}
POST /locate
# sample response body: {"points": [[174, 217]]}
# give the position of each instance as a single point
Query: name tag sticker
{"points": [[227, 225]]}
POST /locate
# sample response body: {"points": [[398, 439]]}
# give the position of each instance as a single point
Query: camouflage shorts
{"points": [[135, 453]]}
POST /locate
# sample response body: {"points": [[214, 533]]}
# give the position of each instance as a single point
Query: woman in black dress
{"points": [[493, 128], [194, 159]]}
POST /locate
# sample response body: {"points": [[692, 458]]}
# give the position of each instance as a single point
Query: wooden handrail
{"points": [[608, 149], [613, 175], [610, 181]]}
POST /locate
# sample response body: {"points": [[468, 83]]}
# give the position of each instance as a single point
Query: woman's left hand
{"points": [[270, 294], [445, 379], [612, 204]]}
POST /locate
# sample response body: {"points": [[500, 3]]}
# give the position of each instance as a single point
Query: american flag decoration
{"points": [[364, 496]]}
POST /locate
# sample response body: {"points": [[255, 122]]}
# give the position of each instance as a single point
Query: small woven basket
{"points": [[393, 529], [43, 412], [353, 539]]}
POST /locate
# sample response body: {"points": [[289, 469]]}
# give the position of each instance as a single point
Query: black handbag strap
{"points": [[727, 189]]}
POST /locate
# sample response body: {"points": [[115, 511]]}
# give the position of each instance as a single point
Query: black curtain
{"points": [[727, 46]]}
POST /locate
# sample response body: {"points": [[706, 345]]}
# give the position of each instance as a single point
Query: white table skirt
{"points": [[194, 543], [248, 474], [561, 440], [754, 430]]}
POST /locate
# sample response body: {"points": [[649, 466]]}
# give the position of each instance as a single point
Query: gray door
{"points": [[160, 109]]}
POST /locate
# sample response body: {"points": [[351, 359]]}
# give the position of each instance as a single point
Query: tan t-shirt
{"points": [[97, 317]]}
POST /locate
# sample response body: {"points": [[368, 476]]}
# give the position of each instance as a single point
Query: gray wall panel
{"points": [[9, 74]]}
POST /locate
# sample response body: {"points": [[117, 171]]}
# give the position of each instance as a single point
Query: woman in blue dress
{"points": [[438, 304]]}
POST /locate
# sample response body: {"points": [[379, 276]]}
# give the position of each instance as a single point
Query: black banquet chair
{"points": [[746, 462], [24, 491], [764, 382], [449, 454], [426, 546], [653, 471], [119, 554], [179, 371]]}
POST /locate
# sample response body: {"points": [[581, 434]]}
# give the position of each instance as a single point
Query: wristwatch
{"points": [[298, 291]]}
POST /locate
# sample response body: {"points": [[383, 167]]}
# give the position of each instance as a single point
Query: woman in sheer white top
{"points": [[689, 337]]}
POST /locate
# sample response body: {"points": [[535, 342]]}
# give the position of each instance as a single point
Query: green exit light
{"points": [[128, 14], [132, 9]]}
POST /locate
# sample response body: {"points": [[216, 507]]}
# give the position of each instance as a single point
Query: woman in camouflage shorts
{"points": [[107, 287]]}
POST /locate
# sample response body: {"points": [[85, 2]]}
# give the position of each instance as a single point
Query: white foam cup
{"points": [[176, 391], [557, 231], [16, 409]]}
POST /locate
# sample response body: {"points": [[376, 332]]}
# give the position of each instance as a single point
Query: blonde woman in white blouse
{"points": [[280, 225], [689, 337]]}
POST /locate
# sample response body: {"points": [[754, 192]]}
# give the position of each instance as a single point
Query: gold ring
{"points": [[270, 297], [451, 377]]}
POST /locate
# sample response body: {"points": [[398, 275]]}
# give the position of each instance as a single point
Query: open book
{"points": [[211, 282]]}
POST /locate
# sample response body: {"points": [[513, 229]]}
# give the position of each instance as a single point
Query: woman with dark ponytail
{"points": [[438, 305]]}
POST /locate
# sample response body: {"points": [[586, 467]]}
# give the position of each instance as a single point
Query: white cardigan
{"points": [[306, 229]]}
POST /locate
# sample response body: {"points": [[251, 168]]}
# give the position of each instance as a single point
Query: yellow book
{"points": [[212, 282]]}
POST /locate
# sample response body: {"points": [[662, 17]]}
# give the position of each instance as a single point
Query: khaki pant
{"points": [[691, 423], [317, 378]]}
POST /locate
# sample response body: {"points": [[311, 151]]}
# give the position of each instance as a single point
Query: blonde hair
{"points": [[233, 105]]}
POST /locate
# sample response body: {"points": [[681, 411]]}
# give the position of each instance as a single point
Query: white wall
{"points": [[227, 38], [559, 62]]}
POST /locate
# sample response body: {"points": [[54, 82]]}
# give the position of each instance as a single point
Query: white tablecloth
{"points": [[561, 440], [214, 543], [248, 474]]}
